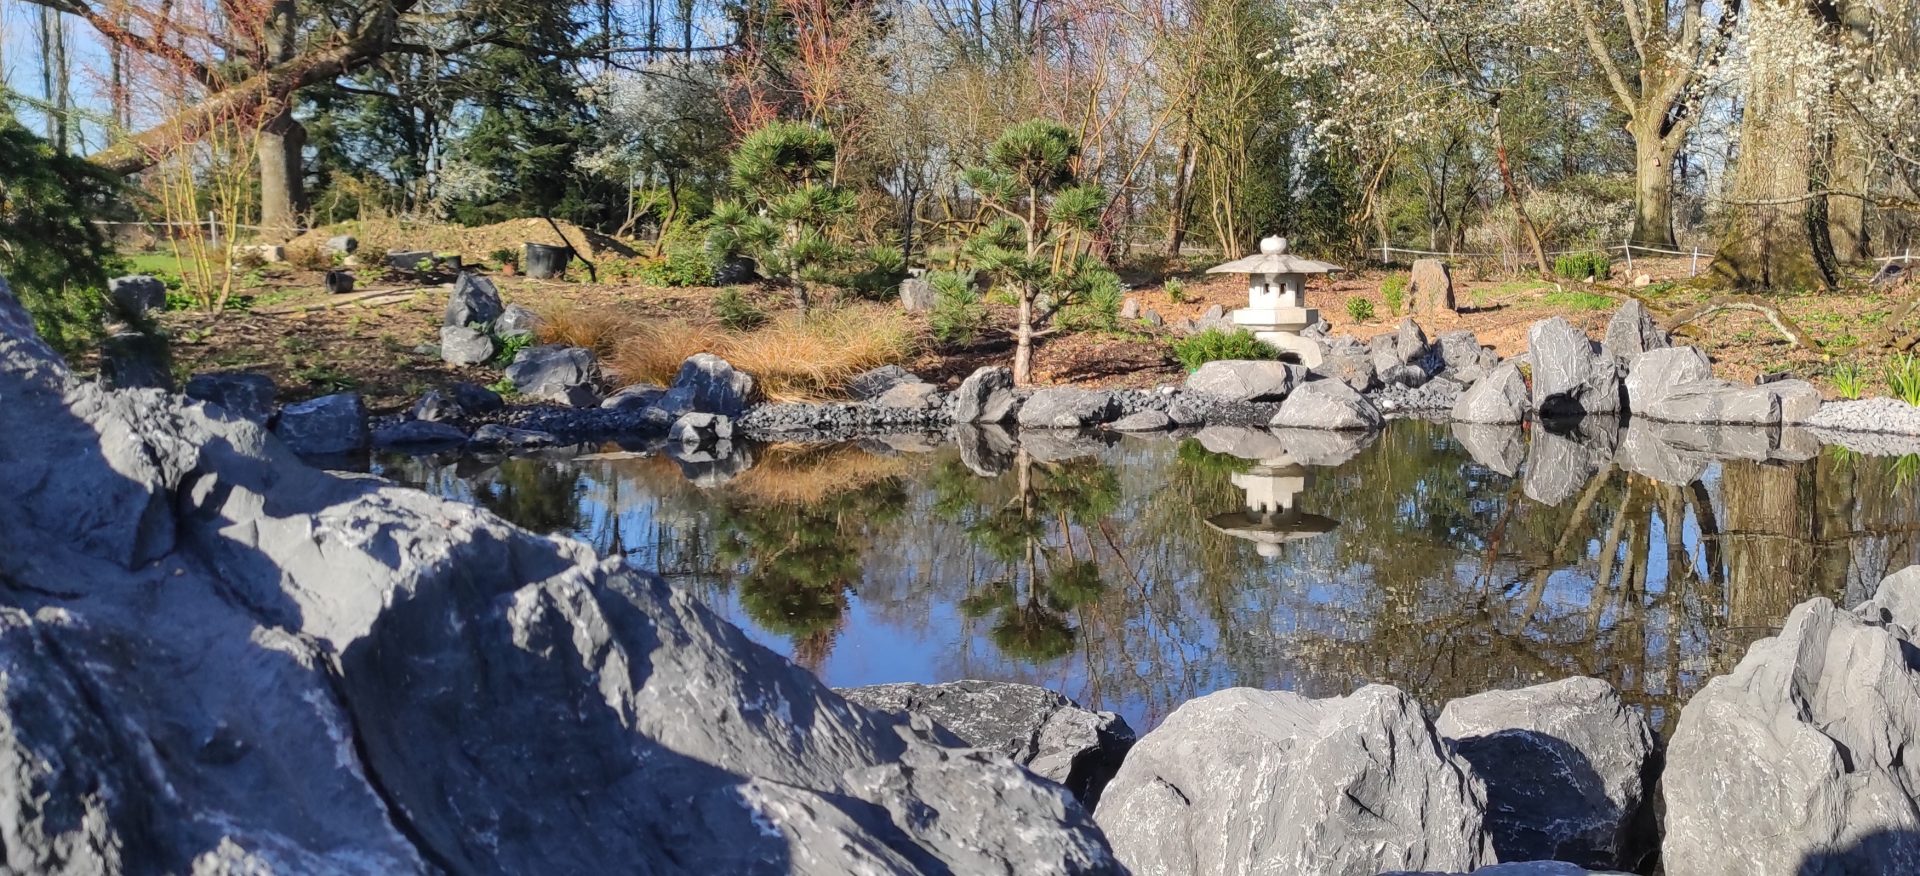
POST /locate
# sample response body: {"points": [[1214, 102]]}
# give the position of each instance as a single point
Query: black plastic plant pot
{"points": [[545, 262], [339, 282]]}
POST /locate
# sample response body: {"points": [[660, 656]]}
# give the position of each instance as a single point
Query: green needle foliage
{"points": [[791, 216], [50, 251]]}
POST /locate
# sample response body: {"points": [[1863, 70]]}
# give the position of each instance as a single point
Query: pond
{"points": [[1131, 575]]}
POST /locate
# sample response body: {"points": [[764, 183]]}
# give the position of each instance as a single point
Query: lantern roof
{"points": [[1273, 258], [1272, 527]]}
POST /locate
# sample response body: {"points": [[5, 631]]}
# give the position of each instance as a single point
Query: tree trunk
{"points": [[282, 187], [1182, 193], [1023, 349], [1776, 238], [1513, 193], [1652, 184]]}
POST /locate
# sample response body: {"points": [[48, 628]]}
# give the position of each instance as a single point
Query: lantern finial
{"points": [[1275, 245]]}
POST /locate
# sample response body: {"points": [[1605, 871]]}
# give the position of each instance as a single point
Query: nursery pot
{"points": [[545, 262], [339, 282]]}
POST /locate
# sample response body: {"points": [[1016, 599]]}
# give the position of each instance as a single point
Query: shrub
{"points": [[1359, 309], [958, 314], [374, 257], [504, 257], [1848, 380], [1214, 345], [1393, 290], [1903, 378], [685, 261], [878, 273], [50, 250], [1096, 304], [1176, 290], [1581, 265], [508, 348], [735, 312], [308, 257]]}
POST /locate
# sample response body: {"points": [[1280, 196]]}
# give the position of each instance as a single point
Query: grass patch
{"points": [[793, 359], [599, 329], [1570, 299], [1214, 345]]}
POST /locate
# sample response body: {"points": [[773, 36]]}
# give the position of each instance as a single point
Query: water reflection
{"points": [[1136, 575]]}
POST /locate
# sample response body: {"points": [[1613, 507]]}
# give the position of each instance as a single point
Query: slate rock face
{"points": [[1462, 354], [708, 384], [326, 426], [241, 394], [553, 373], [1801, 759], [1569, 378], [1355, 369], [1657, 373], [1501, 447], [913, 395], [874, 383], [474, 301], [1248, 781], [1566, 764], [986, 396], [635, 397], [1326, 404], [1431, 289], [1143, 421], [460, 345], [515, 321], [136, 294], [916, 295], [1065, 407], [1041, 730], [1499, 397], [222, 661], [1246, 380], [1632, 332]]}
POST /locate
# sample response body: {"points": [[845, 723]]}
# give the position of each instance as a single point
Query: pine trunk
{"points": [[282, 190]]}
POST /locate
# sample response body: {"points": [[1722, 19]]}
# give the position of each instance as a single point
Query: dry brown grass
{"points": [[793, 474], [790, 358], [599, 329]]}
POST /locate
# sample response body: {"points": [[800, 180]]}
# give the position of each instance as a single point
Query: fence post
{"points": [[1626, 246], [213, 230], [1384, 260], [1696, 260]]}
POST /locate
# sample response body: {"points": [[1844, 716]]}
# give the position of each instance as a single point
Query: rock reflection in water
{"points": [[1464, 557]]}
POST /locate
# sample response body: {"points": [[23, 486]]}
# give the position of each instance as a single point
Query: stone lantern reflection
{"points": [[1276, 310], [1272, 516]]}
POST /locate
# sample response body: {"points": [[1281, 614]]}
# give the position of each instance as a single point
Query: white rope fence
{"points": [[1625, 247]]}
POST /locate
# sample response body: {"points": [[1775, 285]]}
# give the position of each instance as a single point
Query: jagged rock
{"points": [[136, 294], [1186, 412], [874, 383], [473, 302], [1130, 308], [1632, 332], [241, 394], [1409, 376], [1569, 378], [1461, 354], [554, 373], [1431, 287], [913, 395], [418, 433], [496, 435], [270, 253], [1566, 764], [1246, 380], [707, 384], [1800, 760], [1041, 730], [330, 425], [1247, 781], [985, 448], [635, 397], [1655, 374], [1326, 404], [219, 660], [1523, 868], [135, 360], [986, 396], [1066, 407], [1500, 397], [460, 345], [475, 400], [1143, 421], [1558, 466], [435, 406], [917, 295], [1501, 447], [514, 322], [1799, 400], [408, 260], [1353, 369], [1715, 401], [698, 428], [1153, 319]]}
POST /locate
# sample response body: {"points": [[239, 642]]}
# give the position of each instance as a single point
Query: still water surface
{"points": [[1135, 577]]}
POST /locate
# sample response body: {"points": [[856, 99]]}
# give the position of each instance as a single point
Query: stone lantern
{"points": [[1276, 294], [1272, 517]]}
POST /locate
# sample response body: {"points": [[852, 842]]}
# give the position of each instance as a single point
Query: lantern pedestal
{"points": [[1280, 327]]}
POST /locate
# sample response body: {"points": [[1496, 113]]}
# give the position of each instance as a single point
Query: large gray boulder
{"points": [[1499, 397], [1041, 730], [1656, 374], [516, 321], [986, 396], [1246, 380], [474, 301], [708, 384], [135, 294], [1632, 332], [1569, 377], [330, 425], [1715, 401], [874, 383], [1353, 368], [1567, 766], [463, 345], [243, 394], [219, 660], [1561, 465], [1326, 404], [1430, 287], [1248, 781], [1463, 356], [1801, 759], [558, 374], [1066, 407]]}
